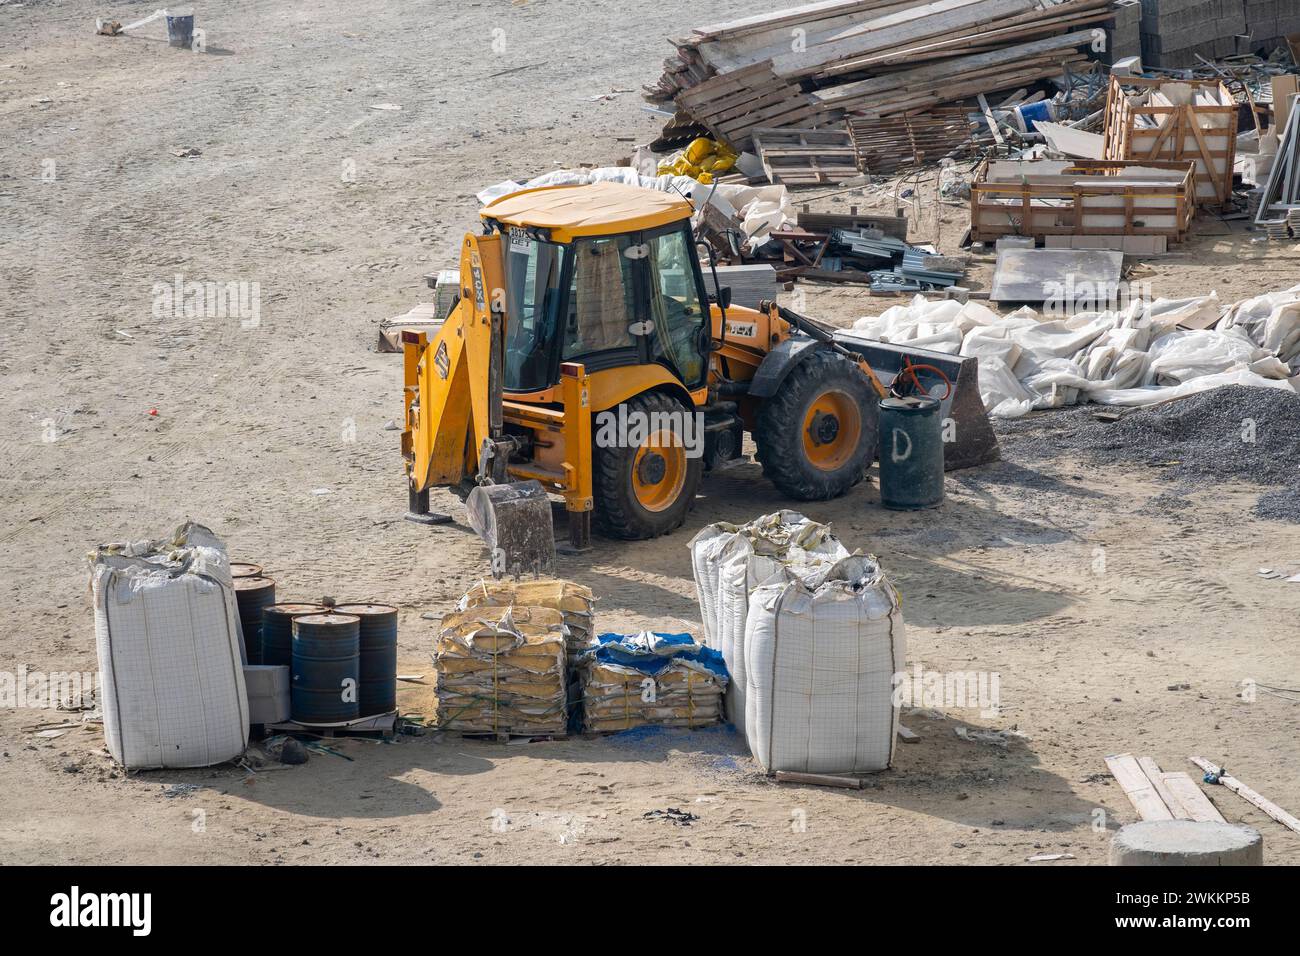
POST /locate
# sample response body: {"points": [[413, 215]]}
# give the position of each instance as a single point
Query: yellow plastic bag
{"points": [[699, 149]]}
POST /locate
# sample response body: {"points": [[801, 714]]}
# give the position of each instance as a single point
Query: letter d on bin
{"points": [[911, 456]]}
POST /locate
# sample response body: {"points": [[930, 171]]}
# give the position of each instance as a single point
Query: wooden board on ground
{"points": [[818, 779], [1155, 775], [1137, 787], [1249, 795], [1191, 797]]}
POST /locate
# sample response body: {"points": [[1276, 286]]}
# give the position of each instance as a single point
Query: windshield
{"points": [[533, 274], [626, 303]]}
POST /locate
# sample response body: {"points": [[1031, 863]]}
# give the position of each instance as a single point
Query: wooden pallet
{"points": [[1145, 121], [733, 106], [385, 725], [885, 144], [1085, 198], [507, 738], [805, 157]]}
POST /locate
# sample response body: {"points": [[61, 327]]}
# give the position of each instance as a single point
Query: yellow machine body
{"points": [[464, 425]]}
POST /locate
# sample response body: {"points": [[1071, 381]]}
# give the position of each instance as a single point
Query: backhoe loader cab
{"points": [[585, 354], [609, 288]]}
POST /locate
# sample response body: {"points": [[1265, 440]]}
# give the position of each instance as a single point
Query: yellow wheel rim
{"points": [[659, 471], [832, 429]]}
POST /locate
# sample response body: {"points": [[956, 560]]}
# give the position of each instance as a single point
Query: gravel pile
{"points": [[1234, 432]]}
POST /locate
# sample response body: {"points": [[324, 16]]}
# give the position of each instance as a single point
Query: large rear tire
{"points": [[644, 490], [817, 435]]}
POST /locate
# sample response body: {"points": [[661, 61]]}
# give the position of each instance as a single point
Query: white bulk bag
{"points": [[766, 546], [706, 549], [819, 664], [167, 636]]}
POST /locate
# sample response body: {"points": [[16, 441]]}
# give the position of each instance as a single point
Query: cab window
{"points": [[602, 300]]}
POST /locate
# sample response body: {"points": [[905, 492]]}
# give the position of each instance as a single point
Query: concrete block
{"points": [[1129, 66], [268, 693], [1129, 245], [1015, 242], [1186, 843]]}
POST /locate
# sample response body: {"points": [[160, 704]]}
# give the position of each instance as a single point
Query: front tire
{"points": [[645, 490], [817, 435]]}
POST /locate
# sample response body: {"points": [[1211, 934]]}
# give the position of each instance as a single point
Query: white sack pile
{"points": [[758, 209], [730, 561], [1136, 356], [170, 651], [820, 659]]}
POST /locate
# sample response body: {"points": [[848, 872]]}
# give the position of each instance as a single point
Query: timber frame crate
{"points": [[1162, 119], [1085, 197]]}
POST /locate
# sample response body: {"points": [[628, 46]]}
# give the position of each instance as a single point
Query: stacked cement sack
{"points": [[168, 640], [575, 603], [730, 561], [501, 670], [651, 679], [820, 657]]}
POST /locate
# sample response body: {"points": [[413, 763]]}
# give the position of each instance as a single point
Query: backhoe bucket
{"points": [[514, 519], [968, 436]]}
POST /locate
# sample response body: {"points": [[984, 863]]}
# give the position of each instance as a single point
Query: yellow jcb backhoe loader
{"points": [[585, 354]]}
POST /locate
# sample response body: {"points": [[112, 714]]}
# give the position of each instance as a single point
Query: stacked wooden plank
{"points": [[810, 66], [1045, 197], [1179, 120]]}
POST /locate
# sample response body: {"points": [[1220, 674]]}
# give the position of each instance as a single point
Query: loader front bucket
{"points": [[968, 437], [514, 519]]}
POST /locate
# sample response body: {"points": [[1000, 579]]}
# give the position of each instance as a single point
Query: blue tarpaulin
{"points": [[651, 651]]}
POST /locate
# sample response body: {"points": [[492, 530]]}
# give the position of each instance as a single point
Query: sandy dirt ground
{"points": [[1077, 586]]}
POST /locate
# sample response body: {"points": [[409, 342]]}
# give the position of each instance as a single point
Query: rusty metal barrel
{"points": [[277, 631], [252, 596], [378, 664], [326, 654], [243, 569]]}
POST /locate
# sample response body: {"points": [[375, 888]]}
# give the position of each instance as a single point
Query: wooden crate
{"points": [[803, 157], [1086, 197], [1159, 119]]}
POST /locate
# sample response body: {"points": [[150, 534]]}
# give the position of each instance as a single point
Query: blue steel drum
{"points": [[326, 655], [252, 596], [378, 668], [277, 631]]}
